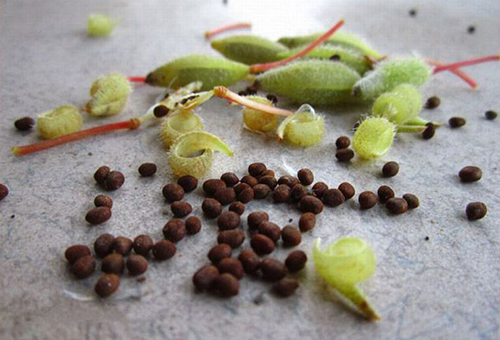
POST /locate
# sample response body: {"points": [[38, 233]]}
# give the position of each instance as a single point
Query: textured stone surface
{"points": [[443, 288]]}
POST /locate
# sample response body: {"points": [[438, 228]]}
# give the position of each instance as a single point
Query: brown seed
{"points": [[188, 183], [147, 169], [24, 124], [142, 245], [161, 111], [470, 174], [226, 285], [319, 189], [238, 188], [273, 270], [429, 131], [232, 266], [412, 200], [347, 190], [491, 115], [286, 287], [250, 180], [291, 236], [367, 200], [219, 252], [262, 244], [311, 204], [456, 122], [268, 172], [98, 215], [281, 194], [255, 169], [193, 225], [233, 238], [305, 176], [225, 195], [471, 29], [296, 261], [122, 245], [344, 155], [476, 211], [228, 220], [113, 263], [288, 180], [4, 191], [211, 207], [230, 179], [114, 180], [83, 267], [390, 169], [307, 221], [255, 218], [261, 191], [173, 192], [237, 207], [270, 181], [107, 285], [103, 245], [397, 205], [432, 102], [246, 195], [211, 186], [250, 261], [164, 250], [103, 201], [181, 209], [204, 277], [385, 193], [75, 252], [333, 197], [270, 230], [342, 142], [101, 174], [174, 230], [297, 192], [137, 265]]}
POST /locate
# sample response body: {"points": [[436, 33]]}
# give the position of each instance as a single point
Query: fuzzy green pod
{"points": [[258, 120], [303, 128], [211, 71], [248, 49], [373, 137], [316, 82], [389, 74], [99, 25], [58, 122], [178, 123], [400, 105], [109, 95]]}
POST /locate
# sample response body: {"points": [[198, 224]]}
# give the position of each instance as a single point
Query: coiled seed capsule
{"points": [[179, 123], [109, 95], [373, 137], [400, 105], [303, 128]]}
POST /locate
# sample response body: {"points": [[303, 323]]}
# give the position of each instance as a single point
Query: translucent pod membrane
{"points": [[258, 120], [183, 158], [303, 128], [59, 122], [317, 82], [99, 25], [109, 95], [373, 137], [179, 123], [248, 49], [399, 106], [389, 74]]}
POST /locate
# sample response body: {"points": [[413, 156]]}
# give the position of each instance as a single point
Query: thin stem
{"points": [[466, 63], [357, 297], [209, 34], [223, 92], [130, 124], [421, 122], [137, 79], [459, 73], [411, 128], [263, 67]]}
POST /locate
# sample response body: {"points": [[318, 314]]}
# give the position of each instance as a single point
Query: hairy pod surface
{"points": [[400, 105], [258, 120], [109, 95], [373, 137], [58, 122], [303, 128], [248, 49]]}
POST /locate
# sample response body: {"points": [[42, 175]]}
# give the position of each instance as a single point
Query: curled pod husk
{"points": [[303, 128], [248, 49], [179, 123], [389, 74], [317, 82], [258, 120], [109, 95], [185, 146], [344, 264], [400, 105], [343, 39], [211, 71], [99, 25], [58, 122], [373, 137]]}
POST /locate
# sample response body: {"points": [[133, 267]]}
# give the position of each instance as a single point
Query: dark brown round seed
{"points": [[230, 179], [173, 192], [432, 102], [412, 200], [282, 193], [181, 209], [491, 115], [286, 287], [193, 225], [211, 186], [83, 267], [476, 211], [456, 122], [261, 191], [225, 195], [233, 238], [174, 230], [114, 180], [250, 261], [98, 215], [246, 195], [101, 173], [367, 200], [296, 261], [333, 197], [268, 172], [270, 230], [305, 176], [311, 204], [273, 270], [385, 193], [347, 190], [238, 188], [412, 12], [390, 169], [397, 205], [291, 236], [107, 285], [4, 191], [164, 250], [470, 174], [204, 277], [272, 98], [237, 207], [270, 181], [471, 29], [297, 192], [342, 142], [232, 266], [226, 285], [319, 189], [147, 169], [307, 221], [219, 252], [250, 180], [24, 124], [188, 183], [211, 207], [228, 220], [344, 155], [142, 245], [288, 180], [122, 245], [73, 253], [113, 263], [161, 111], [262, 244], [255, 169], [255, 218], [103, 201], [103, 245], [429, 131], [137, 265]]}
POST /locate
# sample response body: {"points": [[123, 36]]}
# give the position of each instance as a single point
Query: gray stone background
{"points": [[444, 288]]}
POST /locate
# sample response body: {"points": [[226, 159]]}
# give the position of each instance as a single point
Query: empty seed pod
{"points": [[303, 128], [58, 122], [109, 95]]}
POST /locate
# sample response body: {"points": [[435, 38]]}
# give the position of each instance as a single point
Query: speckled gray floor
{"points": [[443, 288]]}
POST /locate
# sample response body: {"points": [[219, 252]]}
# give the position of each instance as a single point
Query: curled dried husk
{"points": [[109, 95], [58, 122]]}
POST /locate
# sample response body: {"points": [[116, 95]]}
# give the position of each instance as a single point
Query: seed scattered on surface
{"points": [[476, 211], [228, 220], [347, 190], [490, 115], [344, 155], [333, 197], [456, 122], [114, 181], [290, 181], [282, 193], [286, 287], [181, 209], [103, 201], [101, 173], [270, 229], [211, 186], [298, 191], [226, 285], [273, 270], [429, 131], [246, 195], [4, 191], [240, 187], [427, 238], [188, 183], [230, 179], [147, 169], [261, 191], [470, 174], [267, 172], [173, 192], [225, 195], [204, 277], [24, 124], [98, 215], [272, 98], [319, 189], [142, 245], [342, 142], [291, 236], [412, 12], [113, 263], [311, 204], [367, 200], [103, 245], [161, 111], [255, 218], [471, 29], [296, 261], [107, 285], [255, 169], [211, 207], [164, 250], [232, 266], [250, 180], [122, 245], [307, 221], [412, 200], [73, 253], [174, 230], [270, 181], [193, 225], [305, 176], [262, 244], [397, 205], [233, 238], [390, 169], [432, 102], [250, 261], [385, 193], [83, 267], [335, 57], [237, 207], [137, 265], [219, 252]]}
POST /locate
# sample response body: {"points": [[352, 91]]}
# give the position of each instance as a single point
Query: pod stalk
{"points": [[459, 73], [241, 25], [355, 295], [135, 79], [466, 63]]}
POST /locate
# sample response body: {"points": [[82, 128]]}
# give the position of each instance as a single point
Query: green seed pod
{"points": [[303, 128], [58, 122], [248, 49], [211, 71], [317, 82], [344, 39], [99, 25], [389, 74], [178, 123], [109, 95], [400, 105], [373, 137], [257, 120]]}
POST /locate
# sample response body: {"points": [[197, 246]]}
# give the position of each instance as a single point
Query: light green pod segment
{"points": [[179, 123], [347, 56], [389, 74], [373, 137], [109, 95], [303, 128], [400, 105], [316, 82], [257, 120], [344, 39], [248, 49], [59, 122], [211, 71]]}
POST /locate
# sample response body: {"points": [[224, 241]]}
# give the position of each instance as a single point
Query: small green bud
{"points": [[99, 25]]}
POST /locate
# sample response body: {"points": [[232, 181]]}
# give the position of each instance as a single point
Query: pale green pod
{"points": [[99, 25], [59, 122], [179, 123], [109, 95], [258, 120], [211, 71], [303, 128], [248, 49], [400, 105], [373, 137], [389, 74], [317, 82]]}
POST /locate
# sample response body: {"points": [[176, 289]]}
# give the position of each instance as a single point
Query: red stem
{"points": [[466, 63], [464, 76], [263, 67], [209, 34], [137, 79], [131, 124]]}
